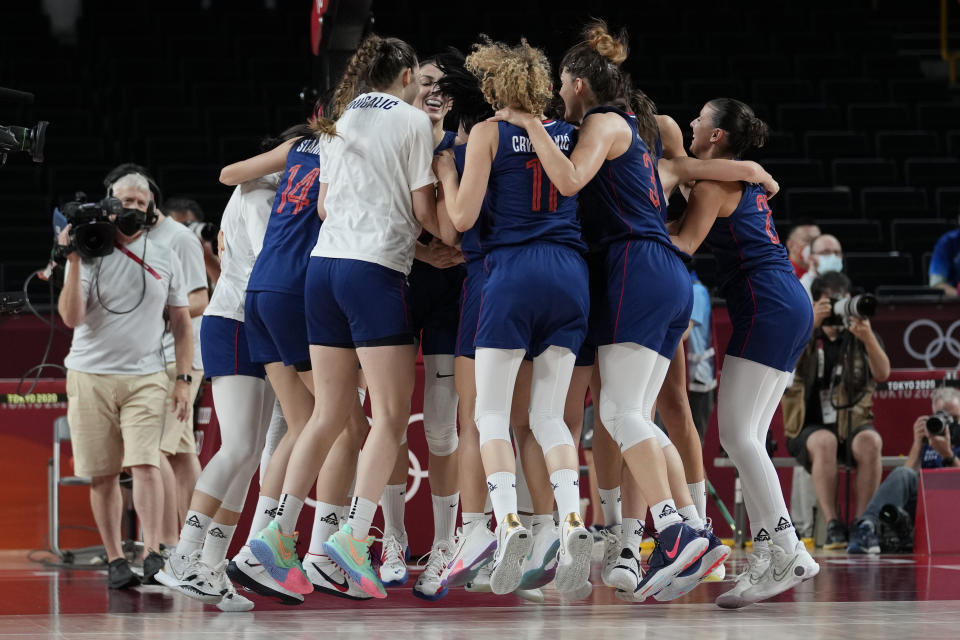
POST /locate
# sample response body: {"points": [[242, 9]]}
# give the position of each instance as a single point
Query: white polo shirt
{"points": [[186, 246], [244, 224], [383, 150], [110, 342]]}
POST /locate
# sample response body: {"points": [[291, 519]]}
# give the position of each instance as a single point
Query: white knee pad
{"points": [[550, 431], [662, 438], [631, 428], [440, 405], [493, 426]]}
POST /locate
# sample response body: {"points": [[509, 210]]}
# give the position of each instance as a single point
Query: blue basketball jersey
{"points": [[470, 239], [522, 204], [449, 137], [294, 224], [625, 199], [747, 240]]}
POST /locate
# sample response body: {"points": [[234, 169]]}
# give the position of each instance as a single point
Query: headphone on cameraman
{"points": [[145, 219]]}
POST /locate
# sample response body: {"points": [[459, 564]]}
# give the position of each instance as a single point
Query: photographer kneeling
{"points": [[936, 444], [828, 410], [116, 381]]}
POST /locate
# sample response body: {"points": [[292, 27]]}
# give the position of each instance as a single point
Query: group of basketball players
{"points": [[341, 257]]}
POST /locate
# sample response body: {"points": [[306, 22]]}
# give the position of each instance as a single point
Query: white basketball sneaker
{"points": [[394, 553], [610, 537], [758, 564], [430, 583], [576, 544], [513, 545]]}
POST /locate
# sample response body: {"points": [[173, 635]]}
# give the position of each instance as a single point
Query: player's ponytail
{"points": [[374, 65], [512, 76], [645, 111], [744, 129], [597, 37], [463, 90]]}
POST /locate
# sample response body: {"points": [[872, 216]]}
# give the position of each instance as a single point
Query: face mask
{"points": [[828, 263], [130, 221]]}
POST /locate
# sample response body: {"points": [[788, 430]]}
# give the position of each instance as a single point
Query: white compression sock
{"points": [[361, 516], [194, 530], [747, 398], [665, 514], [566, 491], [469, 518], [610, 503], [503, 493], [445, 516], [266, 511], [698, 491], [288, 512], [216, 543], [632, 534], [691, 517], [326, 522], [393, 502]]}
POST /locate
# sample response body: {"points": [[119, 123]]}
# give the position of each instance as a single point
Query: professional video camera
{"points": [[92, 231], [842, 309], [22, 139], [938, 423]]}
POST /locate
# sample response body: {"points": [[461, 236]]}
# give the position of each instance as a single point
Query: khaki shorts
{"points": [[115, 421], [177, 435]]}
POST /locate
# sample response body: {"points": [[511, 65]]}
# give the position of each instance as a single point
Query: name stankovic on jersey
{"points": [[311, 145], [373, 102], [522, 144]]}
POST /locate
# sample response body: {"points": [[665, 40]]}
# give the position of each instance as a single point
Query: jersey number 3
{"points": [[297, 193], [769, 227], [538, 179]]}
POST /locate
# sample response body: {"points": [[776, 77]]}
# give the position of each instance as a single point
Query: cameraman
{"points": [[828, 410], [134, 189], [898, 493], [116, 383]]}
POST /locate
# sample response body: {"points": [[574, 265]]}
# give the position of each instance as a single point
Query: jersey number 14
{"points": [[297, 193]]}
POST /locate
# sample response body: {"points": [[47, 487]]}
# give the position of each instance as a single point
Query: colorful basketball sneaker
{"points": [[677, 548], [430, 585], [353, 556], [540, 565], [473, 550], [328, 578], [277, 552], [247, 571], [715, 555]]}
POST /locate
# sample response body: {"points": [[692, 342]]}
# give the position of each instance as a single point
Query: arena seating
{"points": [[865, 142]]}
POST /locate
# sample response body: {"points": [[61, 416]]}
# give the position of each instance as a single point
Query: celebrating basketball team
{"points": [[526, 254]]}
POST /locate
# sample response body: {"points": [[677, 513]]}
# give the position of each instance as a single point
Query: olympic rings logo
{"points": [[936, 346]]}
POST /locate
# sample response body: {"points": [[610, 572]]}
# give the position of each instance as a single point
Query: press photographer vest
{"points": [[856, 368]]}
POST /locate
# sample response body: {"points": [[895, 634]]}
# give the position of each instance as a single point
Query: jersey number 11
{"points": [[538, 180]]}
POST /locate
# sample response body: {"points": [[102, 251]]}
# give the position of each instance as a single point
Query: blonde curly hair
{"points": [[512, 76]]}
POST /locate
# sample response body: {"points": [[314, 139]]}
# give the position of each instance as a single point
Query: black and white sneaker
{"points": [[120, 576], [626, 574], [247, 572], [190, 577]]}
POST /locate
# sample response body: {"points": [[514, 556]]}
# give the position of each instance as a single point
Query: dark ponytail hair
{"points": [[744, 129], [597, 59], [462, 88], [375, 65]]}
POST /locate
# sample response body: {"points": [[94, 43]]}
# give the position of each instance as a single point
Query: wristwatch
{"points": [[186, 377]]}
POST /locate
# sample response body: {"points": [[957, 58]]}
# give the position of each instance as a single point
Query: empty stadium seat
{"points": [[918, 234], [893, 202], [855, 235], [815, 202], [913, 89], [900, 144], [835, 144], [796, 173], [807, 116], [876, 116], [778, 91], [867, 270], [697, 92], [827, 65], [932, 172], [948, 201], [938, 115], [864, 172], [850, 90]]}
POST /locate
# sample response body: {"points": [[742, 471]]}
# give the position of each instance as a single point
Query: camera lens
{"points": [[863, 306], [936, 425]]}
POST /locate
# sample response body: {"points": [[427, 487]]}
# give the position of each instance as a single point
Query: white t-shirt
{"points": [[383, 150], [126, 343], [244, 224], [186, 246]]}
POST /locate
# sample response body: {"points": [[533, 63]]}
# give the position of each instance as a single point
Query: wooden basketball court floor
{"points": [[880, 598]]}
